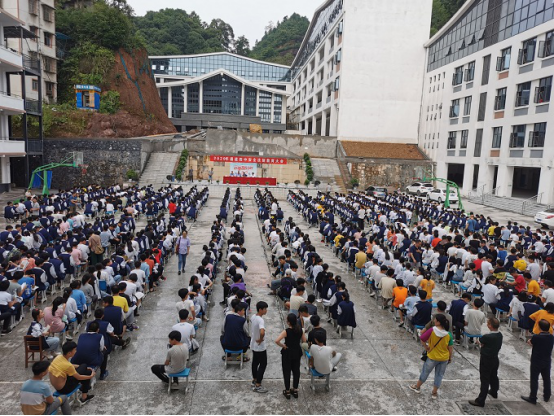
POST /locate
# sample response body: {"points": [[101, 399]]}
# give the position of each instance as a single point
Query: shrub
{"points": [[297, 182], [132, 175], [354, 182], [317, 183], [306, 157], [307, 182], [182, 164], [109, 102]]}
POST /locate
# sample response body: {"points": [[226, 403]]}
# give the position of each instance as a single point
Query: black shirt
{"points": [[542, 348], [491, 344]]}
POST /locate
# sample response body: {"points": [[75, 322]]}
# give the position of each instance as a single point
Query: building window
{"points": [[451, 140], [503, 61], [496, 137], [458, 75], [34, 29], [47, 13], [482, 107], [543, 91], [546, 47], [536, 137], [527, 53], [50, 87], [35, 84], [500, 99], [478, 143], [517, 138], [470, 72], [463, 139], [467, 106], [523, 94], [486, 70], [455, 108], [33, 7], [48, 39], [49, 65]]}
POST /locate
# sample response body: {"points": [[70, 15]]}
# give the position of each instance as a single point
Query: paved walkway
{"points": [[377, 367]]}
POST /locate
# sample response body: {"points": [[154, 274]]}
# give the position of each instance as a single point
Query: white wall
{"points": [[515, 75], [382, 69]]}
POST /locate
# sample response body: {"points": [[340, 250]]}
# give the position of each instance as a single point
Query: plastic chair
{"points": [[511, 321], [466, 339], [71, 396], [103, 285], [183, 374], [314, 373], [501, 314], [231, 353], [339, 330]]}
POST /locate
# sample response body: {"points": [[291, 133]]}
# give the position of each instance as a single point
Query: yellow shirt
{"points": [[533, 288], [337, 240], [537, 316], [428, 286], [520, 264], [361, 259], [121, 302], [62, 368]]}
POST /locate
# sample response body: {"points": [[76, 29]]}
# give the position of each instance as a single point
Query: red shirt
{"points": [[478, 263], [150, 263], [520, 282], [172, 207], [435, 242]]}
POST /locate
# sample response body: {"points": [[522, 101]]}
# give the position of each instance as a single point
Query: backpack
{"points": [[286, 288]]}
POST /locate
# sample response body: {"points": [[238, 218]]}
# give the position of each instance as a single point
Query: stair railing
{"points": [[491, 193], [534, 199]]}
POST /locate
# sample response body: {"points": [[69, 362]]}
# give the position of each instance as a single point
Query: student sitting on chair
{"points": [[36, 396], [323, 359], [176, 359]]}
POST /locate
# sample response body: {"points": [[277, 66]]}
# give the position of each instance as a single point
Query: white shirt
{"points": [[535, 270], [548, 296], [490, 293], [187, 331], [322, 358], [257, 324], [486, 268]]}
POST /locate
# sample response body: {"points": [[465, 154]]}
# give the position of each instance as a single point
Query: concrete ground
{"points": [[378, 364]]}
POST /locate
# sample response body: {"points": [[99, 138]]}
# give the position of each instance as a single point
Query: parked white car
{"points": [[545, 218], [439, 195], [420, 188]]}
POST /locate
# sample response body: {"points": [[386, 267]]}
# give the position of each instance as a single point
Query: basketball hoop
{"points": [[77, 159]]}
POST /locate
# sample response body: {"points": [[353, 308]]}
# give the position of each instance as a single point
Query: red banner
{"points": [[234, 180], [249, 159]]}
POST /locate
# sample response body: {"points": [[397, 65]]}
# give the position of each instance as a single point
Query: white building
{"points": [[39, 18], [10, 103], [485, 116], [222, 90], [358, 73]]}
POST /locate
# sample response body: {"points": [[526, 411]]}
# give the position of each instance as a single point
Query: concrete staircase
{"points": [[343, 180], [528, 207], [159, 165], [325, 170]]}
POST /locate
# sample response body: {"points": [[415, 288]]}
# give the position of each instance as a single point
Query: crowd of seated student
{"points": [[58, 261]]}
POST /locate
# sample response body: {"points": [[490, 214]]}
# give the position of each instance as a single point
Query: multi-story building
{"points": [[222, 90], [39, 18], [358, 72], [11, 104], [486, 117]]}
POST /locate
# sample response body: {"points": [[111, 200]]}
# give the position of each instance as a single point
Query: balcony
{"points": [[31, 63], [11, 104], [542, 95], [536, 139], [546, 48], [457, 78], [10, 59], [33, 106], [12, 147]]}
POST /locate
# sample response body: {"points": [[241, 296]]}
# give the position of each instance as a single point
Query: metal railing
{"points": [[31, 63], [533, 200], [477, 192], [32, 106], [488, 194]]}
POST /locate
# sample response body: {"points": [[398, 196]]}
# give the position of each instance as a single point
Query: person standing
{"points": [[182, 250], [96, 249], [489, 362], [541, 362], [291, 354], [258, 347], [437, 342]]}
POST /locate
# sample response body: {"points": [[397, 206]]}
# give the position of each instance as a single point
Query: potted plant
{"points": [[354, 182], [217, 181], [307, 182], [317, 183], [297, 182], [266, 183], [258, 183], [227, 182]]}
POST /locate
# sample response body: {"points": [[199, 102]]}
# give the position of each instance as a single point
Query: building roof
{"points": [[197, 55], [193, 80], [448, 25], [373, 150]]}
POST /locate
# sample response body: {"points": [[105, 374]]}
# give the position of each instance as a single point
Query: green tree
{"points": [[242, 46]]}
